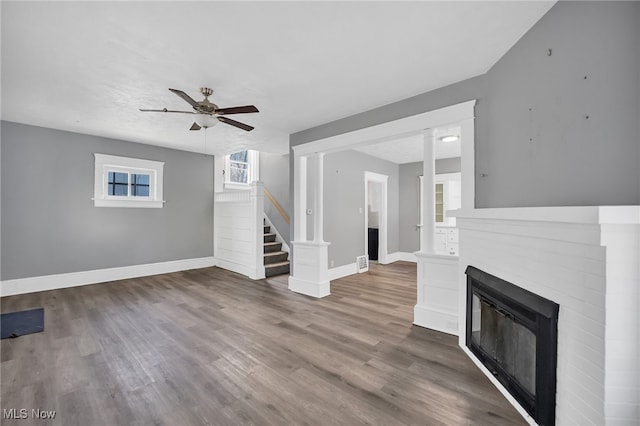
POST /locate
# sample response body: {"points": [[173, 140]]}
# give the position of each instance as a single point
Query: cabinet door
{"points": [[439, 203], [441, 243]]}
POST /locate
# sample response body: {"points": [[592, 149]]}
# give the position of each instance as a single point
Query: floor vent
{"points": [[363, 263]]}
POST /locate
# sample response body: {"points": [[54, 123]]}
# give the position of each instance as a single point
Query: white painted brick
{"points": [[584, 278]]}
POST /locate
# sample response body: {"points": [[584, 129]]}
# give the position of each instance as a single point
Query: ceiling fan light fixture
{"points": [[206, 120], [449, 138]]}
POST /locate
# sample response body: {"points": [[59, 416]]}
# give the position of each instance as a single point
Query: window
{"points": [[241, 169], [127, 182]]}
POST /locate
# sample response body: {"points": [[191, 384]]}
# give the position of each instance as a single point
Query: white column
{"points": [[427, 242], [300, 198], [467, 159], [318, 208], [310, 258]]}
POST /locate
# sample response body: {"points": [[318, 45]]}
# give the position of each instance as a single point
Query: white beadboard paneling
{"points": [[238, 230], [437, 299]]}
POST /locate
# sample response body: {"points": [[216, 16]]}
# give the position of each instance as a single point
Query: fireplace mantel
{"points": [[578, 214], [586, 259]]}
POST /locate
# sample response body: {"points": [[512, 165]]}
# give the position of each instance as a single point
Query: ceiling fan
{"points": [[209, 112]]}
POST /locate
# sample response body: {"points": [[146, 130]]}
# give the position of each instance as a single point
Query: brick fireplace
{"points": [[585, 259]]}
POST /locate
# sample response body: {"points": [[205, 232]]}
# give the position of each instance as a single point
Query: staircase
{"points": [[275, 260]]}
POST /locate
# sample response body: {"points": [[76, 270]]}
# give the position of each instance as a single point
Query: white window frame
{"points": [[253, 170], [111, 163]]}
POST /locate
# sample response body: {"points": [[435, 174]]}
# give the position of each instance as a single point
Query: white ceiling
{"points": [[87, 66]]}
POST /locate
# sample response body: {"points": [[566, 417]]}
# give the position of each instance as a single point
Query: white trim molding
{"points": [[75, 279], [382, 230], [390, 130], [401, 255], [107, 163], [342, 271]]}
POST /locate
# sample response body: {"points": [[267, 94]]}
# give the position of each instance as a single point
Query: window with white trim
{"points": [[127, 182], [241, 168]]}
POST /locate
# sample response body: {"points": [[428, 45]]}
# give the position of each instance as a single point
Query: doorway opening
{"points": [[375, 218]]}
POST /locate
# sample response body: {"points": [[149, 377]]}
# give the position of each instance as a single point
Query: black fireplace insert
{"points": [[513, 332]]}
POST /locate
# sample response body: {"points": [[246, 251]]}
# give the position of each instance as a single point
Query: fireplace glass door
{"points": [[508, 343]]}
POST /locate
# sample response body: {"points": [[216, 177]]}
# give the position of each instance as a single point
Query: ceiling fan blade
{"points": [[237, 110], [236, 124], [195, 126], [186, 97]]}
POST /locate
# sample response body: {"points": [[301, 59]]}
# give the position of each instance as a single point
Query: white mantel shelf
{"points": [[577, 214]]}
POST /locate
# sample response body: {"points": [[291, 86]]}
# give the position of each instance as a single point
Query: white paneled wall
{"points": [[437, 300], [591, 270], [622, 357], [238, 231]]}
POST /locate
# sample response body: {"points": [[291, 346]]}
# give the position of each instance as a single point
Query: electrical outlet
{"points": [[332, 263], [309, 211]]}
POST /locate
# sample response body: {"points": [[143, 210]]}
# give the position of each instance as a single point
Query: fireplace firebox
{"points": [[513, 333]]}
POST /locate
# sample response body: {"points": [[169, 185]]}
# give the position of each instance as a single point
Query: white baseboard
{"points": [[310, 288], [433, 319], [74, 279], [343, 271], [352, 268], [254, 274], [401, 255]]}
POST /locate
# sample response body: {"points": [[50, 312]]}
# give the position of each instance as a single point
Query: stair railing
{"points": [[277, 205]]}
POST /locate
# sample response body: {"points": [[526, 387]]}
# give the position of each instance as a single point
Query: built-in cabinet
{"points": [[439, 202], [448, 197], [447, 240]]}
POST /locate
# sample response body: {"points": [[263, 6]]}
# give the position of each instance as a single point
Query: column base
{"points": [[310, 271], [310, 288], [433, 319]]}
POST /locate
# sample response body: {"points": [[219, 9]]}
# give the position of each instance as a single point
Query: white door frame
{"points": [[382, 229]]}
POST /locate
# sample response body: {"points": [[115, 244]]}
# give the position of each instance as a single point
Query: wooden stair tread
{"points": [[275, 253], [274, 265]]}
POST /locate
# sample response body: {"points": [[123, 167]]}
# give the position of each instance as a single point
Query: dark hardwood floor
{"points": [[211, 347]]}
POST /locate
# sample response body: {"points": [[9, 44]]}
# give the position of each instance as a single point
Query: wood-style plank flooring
{"points": [[211, 347]]}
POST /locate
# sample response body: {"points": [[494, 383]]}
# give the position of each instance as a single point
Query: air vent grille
{"points": [[363, 263]]}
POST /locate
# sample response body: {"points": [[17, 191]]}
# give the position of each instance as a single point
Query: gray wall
{"points": [[274, 173], [344, 197], [409, 213], [50, 226], [541, 149], [550, 155]]}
